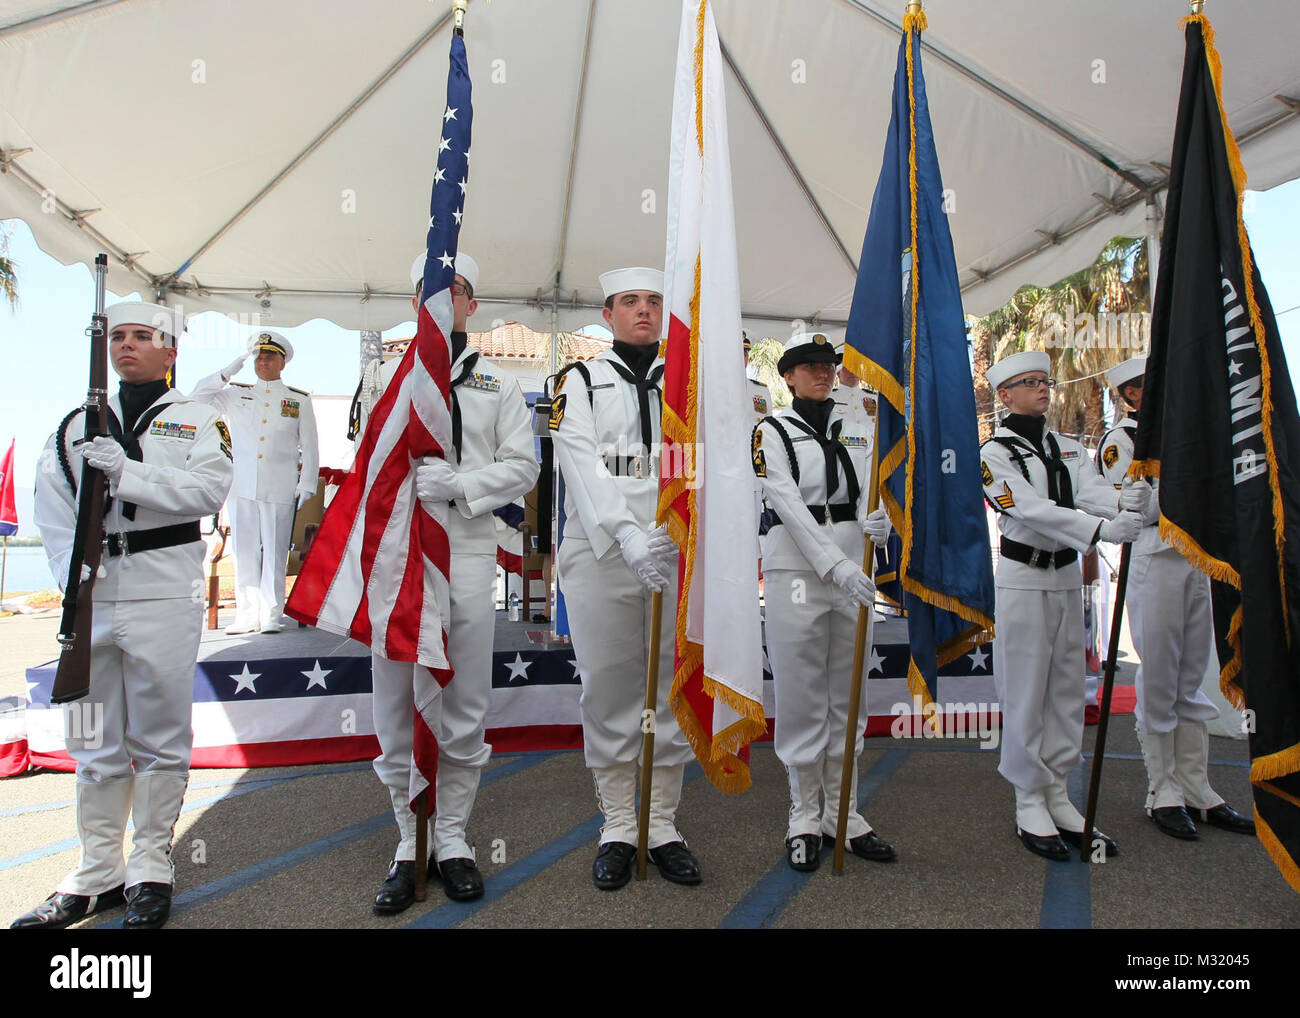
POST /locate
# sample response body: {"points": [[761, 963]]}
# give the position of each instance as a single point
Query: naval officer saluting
{"points": [[815, 471], [167, 465], [605, 423], [1173, 633], [276, 466], [1052, 506]]}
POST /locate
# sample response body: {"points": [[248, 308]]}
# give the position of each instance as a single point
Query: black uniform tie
{"points": [[835, 454], [129, 440], [644, 380], [466, 370]]}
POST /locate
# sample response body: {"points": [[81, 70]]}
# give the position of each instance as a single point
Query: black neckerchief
{"points": [[635, 370], [138, 412], [812, 418], [136, 398], [459, 341], [637, 357], [1034, 430]]}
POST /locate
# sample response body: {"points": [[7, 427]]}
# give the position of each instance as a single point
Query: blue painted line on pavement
{"points": [[1067, 886], [452, 914], [763, 905], [305, 853]]}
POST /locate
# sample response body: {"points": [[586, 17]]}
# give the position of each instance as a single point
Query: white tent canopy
{"points": [[275, 157]]}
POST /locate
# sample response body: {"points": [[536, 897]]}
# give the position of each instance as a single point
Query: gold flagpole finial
{"points": [[1197, 7], [458, 14], [913, 6]]}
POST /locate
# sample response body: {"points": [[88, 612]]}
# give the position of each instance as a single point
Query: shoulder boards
{"points": [[242, 385], [300, 392]]}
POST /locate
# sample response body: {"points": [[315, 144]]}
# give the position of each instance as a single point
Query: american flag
{"points": [[378, 568]]}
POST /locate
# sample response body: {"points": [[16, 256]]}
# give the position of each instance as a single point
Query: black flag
{"points": [[1219, 427]]}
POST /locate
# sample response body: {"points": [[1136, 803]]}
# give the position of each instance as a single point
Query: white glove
{"points": [[662, 546], [854, 582], [436, 480], [638, 552], [106, 455], [100, 573], [304, 497], [1123, 529], [877, 527], [234, 367], [1135, 497]]}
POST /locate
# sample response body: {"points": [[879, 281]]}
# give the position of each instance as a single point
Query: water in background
{"points": [[27, 569]]}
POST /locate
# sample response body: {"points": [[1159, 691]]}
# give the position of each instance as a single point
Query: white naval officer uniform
{"points": [[1038, 655], [496, 464], [148, 616], [276, 461], [1173, 631], [611, 483], [811, 623]]}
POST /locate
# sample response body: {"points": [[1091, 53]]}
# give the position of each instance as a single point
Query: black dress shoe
{"points": [[147, 906], [1226, 817], [1049, 847], [803, 852], [460, 878], [62, 910], [676, 863], [1075, 838], [870, 846], [613, 866], [398, 890], [1174, 821]]}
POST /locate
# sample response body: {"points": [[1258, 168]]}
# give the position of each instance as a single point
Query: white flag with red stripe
{"points": [[707, 501]]}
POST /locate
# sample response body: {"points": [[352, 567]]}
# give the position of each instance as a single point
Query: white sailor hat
{"points": [[270, 339], [1017, 364], [808, 348], [466, 268], [167, 320], [1121, 374], [639, 278]]}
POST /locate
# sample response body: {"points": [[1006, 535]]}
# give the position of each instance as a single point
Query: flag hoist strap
{"points": [[1059, 487], [132, 541], [466, 370], [1036, 557], [842, 513]]}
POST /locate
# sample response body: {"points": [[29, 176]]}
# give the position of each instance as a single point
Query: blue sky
{"points": [[45, 367]]}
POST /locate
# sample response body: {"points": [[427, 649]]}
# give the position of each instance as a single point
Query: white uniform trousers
{"points": [[609, 618], [462, 710], [261, 532], [1170, 621], [131, 737], [811, 630], [1038, 668]]}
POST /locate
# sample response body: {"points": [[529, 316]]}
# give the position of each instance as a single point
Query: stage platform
{"points": [[301, 696]]}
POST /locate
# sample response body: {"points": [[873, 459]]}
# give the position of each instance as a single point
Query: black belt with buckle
{"points": [[130, 542], [842, 513], [632, 466], [1036, 557]]}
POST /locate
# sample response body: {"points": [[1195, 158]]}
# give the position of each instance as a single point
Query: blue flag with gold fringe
{"points": [[907, 339]]}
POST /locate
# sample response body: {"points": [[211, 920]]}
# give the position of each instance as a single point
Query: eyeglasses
{"points": [[1033, 384], [461, 289]]}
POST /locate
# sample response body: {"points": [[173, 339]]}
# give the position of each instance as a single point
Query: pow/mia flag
{"points": [[1220, 429]]}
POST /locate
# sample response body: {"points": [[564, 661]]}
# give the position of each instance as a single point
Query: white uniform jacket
{"points": [[497, 463], [799, 541], [1026, 513], [1114, 456], [600, 452], [184, 475], [274, 430], [760, 397]]}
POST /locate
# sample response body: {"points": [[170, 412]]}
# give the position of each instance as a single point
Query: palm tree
{"points": [[764, 354], [8, 271], [1087, 323]]}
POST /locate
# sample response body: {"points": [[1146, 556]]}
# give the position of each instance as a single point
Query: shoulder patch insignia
{"points": [[557, 411], [1109, 455], [224, 432], [986, 475], [560, 379], [1004, 501], [289, 407], [760, 405], [760, 463]]}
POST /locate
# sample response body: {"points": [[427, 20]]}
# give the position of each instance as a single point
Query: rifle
{"points": [[72, 680]]}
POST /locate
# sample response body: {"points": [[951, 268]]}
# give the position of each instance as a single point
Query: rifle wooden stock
{"points": [[72, 679]]}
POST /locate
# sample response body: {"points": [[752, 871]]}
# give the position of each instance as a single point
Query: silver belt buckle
{"points": [[638, 466], [1035, 560]]}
